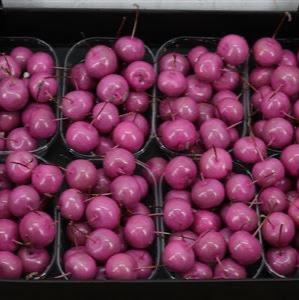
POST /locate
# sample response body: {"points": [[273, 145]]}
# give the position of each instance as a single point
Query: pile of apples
{"points": [[111, 100], [28, 85], [199, 107]]}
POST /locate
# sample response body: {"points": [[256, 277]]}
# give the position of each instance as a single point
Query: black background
{"points": [[62, 28]]}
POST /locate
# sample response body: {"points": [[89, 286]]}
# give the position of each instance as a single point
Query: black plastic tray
{"points": [[52, 248], [62, 28], [35, 44], [151, 200], [77, 54], [182, 45], [254, 270], [287, 43]]}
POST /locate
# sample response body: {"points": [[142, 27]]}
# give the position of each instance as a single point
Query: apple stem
{"points": [[149, 267], [88, 199], [136, 20], [289, 116], [121, 26], [280, 232], [234, 125], [222, 266], [32, 275], [274, 92], [59, 68], [75, 82], [62, 275], [75, 227], [254, 201], [8, 65], [126, 114], [48, 195], [259, 227], [201, 176], [18, 163], [215, 152], [285, 16], [50, 96], [257, 148], [18, 243], [162, 233], [61, 119], [248, 84], [174, 59], [155, 214], [271, 141], [40, 85], [101, 110], [134, 118]]}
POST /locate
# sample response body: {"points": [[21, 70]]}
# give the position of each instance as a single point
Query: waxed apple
{"points": [[119, 161], [210, 247], [239, 216], [102, 243], [250, 149], [103, 212], [178, 257], [267, 52], [80, 78], [180, 172], [240, 188], [233, 49], [272, 199], [206, 221], [215, 163], [268, 172], [174, 61], [178, 135], [244, 248], [100, 61], [172, 83], [82, 136], [208, 67], [198, 90], [207, 193], [278, 229], [178, 215]]}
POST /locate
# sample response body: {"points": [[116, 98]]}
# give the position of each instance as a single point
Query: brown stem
{"points": [[18, 163], [155, 214], [271, 141], [257, 148], [136, 20], [63, 275], [285, 16], [280, 232], [221, 265], [234, 125], [215, 152], [101, 110], [40, 85], [259, 227], [121, 26]]}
